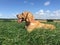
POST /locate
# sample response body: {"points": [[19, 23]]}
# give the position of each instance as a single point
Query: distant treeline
{"points": [[8, 20], [41, 20]]}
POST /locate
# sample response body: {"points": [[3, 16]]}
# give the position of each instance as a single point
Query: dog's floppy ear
{"points": [[29, 16]]}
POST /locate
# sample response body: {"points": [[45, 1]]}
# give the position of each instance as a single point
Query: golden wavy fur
{"points": [[31, 23]]}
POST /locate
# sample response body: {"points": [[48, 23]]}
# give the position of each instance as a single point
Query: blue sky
{"points": [[41, 9]]}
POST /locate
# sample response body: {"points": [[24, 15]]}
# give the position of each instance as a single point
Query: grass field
{"points": [[12, 33]]}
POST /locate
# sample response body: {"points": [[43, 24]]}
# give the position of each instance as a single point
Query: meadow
{"points": [[13, 33]]}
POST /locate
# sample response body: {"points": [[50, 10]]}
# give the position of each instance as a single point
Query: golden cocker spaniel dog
{"points": [[31, 23]]}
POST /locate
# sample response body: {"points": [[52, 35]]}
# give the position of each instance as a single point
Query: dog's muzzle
{"points": [[21, 20]]}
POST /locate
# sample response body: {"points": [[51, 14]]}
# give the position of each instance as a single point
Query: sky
{"points": [[41, 9]]}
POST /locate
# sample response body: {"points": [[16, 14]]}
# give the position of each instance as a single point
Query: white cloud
{"points": [[57, 12], [25, 1], [48, 11], [31, 3], [41, 12], [47, 3], [47, 14], [2, 15], [13, 15]]}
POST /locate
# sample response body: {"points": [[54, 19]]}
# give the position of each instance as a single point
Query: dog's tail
{"points": [[49, 26], [53, 27]]}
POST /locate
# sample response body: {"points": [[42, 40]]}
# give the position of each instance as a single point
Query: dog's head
{"points": [[25, 16]]}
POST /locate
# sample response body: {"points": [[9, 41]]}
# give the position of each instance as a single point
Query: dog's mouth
{"points": [[20, 20]]}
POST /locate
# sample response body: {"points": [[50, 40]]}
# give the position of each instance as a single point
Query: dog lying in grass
{"points": [[31, 23]]}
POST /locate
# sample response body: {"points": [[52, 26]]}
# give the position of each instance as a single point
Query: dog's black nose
{"points": [[17, 15]]}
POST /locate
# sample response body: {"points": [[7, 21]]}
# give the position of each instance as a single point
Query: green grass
{"points": [[12, 33]]}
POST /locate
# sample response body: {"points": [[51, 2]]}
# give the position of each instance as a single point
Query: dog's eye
{"points": [[22, 13]]}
